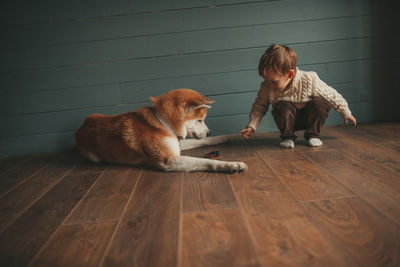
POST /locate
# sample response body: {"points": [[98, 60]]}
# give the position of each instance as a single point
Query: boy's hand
{"points": [[353, 120], [247, 132]]}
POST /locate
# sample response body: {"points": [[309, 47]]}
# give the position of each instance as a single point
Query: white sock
{"points": [[314, 141], [287, 143]]}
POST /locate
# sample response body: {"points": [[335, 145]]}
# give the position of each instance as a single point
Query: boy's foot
{"points": [[287, 143], [314, 142]]}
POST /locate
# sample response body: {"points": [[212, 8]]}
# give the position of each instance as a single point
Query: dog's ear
{"points": [[200, 103], [202, 106], [153, 99], [208, 101]]}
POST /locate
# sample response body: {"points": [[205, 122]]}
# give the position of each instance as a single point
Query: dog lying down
{"points": [[155, 135]]}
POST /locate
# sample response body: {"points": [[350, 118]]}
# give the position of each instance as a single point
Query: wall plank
{"points": [[182, 65], [182, 20], [61, 62], [153, 46]]}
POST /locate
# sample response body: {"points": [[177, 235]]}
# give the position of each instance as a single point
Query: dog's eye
{"points": [[200, 121]]}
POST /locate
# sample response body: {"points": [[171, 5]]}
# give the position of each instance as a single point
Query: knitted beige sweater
{"points": [[305, 86]]}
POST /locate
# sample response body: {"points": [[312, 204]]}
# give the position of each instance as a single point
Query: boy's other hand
{"points": [[352, 119], [247, 132]]}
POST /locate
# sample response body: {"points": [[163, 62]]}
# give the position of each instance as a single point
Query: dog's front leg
{"points": [[188, 164], [207, 141]]}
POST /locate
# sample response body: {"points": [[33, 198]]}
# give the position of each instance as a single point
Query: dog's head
{"points": [[185, 111]]}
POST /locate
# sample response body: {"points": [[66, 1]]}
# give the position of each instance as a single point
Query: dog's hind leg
{"points": [[207, 141], [189, 164], [89, 155]]}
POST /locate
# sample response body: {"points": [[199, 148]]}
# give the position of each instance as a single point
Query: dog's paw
{"points": [[236, 167]]}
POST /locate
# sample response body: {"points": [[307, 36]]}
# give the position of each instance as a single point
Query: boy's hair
{"points": [[278, 57]]}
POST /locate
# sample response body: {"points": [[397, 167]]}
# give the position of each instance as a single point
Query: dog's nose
{"points": [[208, 133]]}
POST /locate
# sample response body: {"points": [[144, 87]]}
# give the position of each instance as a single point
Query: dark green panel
{"points": [[35, 144], [180, 21], [62, 99], [60, 62], [44, 11], [193, 42], [52, 122], [184, 65]]}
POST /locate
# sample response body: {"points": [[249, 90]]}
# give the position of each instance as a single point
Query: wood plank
{"points": [[394, 146], [370, 185], [203, 191], [76, 245], [147, 235], [8, 163], [362, 149], [216, 238], [107, 198], [358, 230], [20, 242], [382, 131], [23, 196], [307, 182], [282, 232], [21, 173]]}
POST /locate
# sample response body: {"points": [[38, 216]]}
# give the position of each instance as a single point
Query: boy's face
{"points": [[277, 81]]}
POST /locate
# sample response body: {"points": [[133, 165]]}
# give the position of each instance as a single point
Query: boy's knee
{"points": [[283, 109], [320, 105]]}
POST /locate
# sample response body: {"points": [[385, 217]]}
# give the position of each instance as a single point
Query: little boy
{"points": [[299, 99]]}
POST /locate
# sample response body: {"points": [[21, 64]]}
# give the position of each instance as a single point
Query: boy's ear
{"points": [[291, 73]]}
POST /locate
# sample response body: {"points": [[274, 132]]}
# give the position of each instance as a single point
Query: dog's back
{"points": [[118, 138]]}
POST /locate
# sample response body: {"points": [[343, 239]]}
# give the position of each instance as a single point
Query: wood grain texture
{"points": [[20, 172], [76, 245], [380, 131], [376, 189], [21, 241], [14, 203], [70, 212], [394, 146], [307, 182], [283, 234], [358, 230], [206, 191], [8, 163], [148, 232], [350, 141], [107, 198], [216, 238]]}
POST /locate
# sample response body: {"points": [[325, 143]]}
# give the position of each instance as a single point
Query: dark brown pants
{"points": [[311, 118]]}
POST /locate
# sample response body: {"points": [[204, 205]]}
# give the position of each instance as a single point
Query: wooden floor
{"points": [[336, 205]]}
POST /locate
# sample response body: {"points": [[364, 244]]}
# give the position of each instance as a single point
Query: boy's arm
{"points": [[259, 107], [332, 96]]}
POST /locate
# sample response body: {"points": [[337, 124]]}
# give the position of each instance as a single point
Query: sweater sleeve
{"points": [[259, 107], [335, 99]]}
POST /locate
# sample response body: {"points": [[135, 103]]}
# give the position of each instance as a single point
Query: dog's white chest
{"points": [[173, 144]]}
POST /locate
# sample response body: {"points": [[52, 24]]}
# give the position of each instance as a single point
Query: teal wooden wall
{"points": [[63, 60]]}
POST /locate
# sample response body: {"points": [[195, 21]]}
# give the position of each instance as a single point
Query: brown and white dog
{"points": [[155, 135]]}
